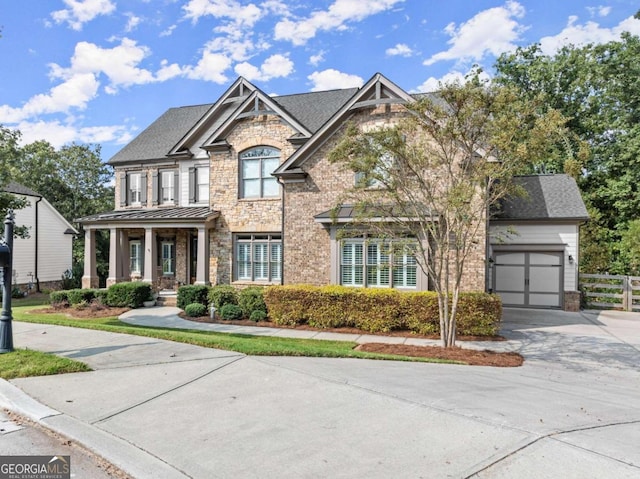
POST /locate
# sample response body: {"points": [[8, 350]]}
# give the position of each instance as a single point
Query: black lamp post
{"points": [[6, 263]]}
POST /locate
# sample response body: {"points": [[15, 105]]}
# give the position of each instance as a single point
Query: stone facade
{"points": [[572, 301], [243, 215], [308, 244]]}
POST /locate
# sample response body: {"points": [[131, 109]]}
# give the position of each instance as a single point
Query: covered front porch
{"points": [[166, 247]]}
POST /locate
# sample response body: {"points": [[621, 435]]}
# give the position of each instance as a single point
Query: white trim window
{"points": [[135, 257], [167, 190], [378, 263], [256, 166], [167, 256], [258, 258], [135, 189]]}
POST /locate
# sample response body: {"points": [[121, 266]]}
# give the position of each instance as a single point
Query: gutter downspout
{"points": [[282, 233], [36, 255]]}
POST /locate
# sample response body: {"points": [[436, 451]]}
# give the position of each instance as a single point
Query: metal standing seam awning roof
{"points": [[159, 216]]}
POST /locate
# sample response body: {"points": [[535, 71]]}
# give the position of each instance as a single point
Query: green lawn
{"points": [[252, 345], [23, 363]]}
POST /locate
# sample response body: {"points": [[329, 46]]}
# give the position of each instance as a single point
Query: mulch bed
{"points": [[89, 312], [471, 357]]}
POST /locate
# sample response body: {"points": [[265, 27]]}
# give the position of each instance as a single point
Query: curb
{"points": [[126, 456]]}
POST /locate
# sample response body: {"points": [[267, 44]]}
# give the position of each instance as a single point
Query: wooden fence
{"points": [[607, 291]]}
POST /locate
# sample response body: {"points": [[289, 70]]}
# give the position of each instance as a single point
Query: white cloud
{"points": [[211, 67], [315, 60], [432, 84], [168, 31], [132, 23], [60, 134], [340, 12], [400, 49], [331, 79], [167, 72], [600, 10], [237, 49], [276, 66], [119, 64], [80, 12], [245, 15], [75, 92], [491, 31], [590, 32]]}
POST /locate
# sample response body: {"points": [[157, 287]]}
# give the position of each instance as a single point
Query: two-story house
{"points": [[241, 192]]}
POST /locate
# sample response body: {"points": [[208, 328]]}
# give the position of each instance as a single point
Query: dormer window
{"points": [[256, 166]]}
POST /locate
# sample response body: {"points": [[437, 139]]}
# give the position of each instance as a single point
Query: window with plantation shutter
{"points": [[258, 257], [370, 262]]}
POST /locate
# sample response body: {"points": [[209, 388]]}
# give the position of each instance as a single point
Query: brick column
{"points": [[202, 269], [90, 277]]}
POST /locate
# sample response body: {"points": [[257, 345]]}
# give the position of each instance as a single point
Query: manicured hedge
{"points": [[130, 295], [251, 300], [59, 297], [195, 310], [223, 294], [192, 294], [379, 310]]}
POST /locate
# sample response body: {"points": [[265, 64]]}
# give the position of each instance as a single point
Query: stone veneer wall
{"points": [[239, 215], [307, 245]]}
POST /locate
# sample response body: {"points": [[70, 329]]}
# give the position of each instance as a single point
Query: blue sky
{"points": [[100, 71]]}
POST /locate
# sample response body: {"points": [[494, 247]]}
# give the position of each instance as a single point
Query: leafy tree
{"points": [[9, 149], [75, 181], [435, 173], [597, 87]]}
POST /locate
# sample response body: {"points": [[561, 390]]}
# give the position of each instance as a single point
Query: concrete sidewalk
{"points": [[167, 317], [160, 409]]}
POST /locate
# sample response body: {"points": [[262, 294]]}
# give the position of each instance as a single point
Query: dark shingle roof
{"points": [[548, 197], [18, 189], [315, 108], [157, 140], [180, 213]]}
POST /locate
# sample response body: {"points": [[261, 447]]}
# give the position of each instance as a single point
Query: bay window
{"points": [[258, 257]]}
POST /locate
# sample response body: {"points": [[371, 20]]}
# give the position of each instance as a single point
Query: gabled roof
{"points": [[18, 189], [157, 140], [378, 90], [548, 197], [177, 127]]}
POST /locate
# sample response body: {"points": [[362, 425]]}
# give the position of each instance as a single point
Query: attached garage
{"points": [[533, 252], [529, 278]]}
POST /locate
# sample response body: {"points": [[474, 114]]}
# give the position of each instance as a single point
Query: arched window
{"points": [[256, 166]]}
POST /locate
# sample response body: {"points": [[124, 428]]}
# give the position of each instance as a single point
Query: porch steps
{"points": [[167, 297]]}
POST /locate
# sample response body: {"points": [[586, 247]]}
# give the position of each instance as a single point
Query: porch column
{"points": [[202, 261], [115, 256], [125, 259], [90, 277], [150, 256]]}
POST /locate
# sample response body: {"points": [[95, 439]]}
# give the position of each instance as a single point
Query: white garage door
{"points": [[530, 279]]}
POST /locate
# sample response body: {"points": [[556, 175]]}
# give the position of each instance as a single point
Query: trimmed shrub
{"points": [[78, 296], [192, 294], [258, 315], [379, 310], [250, 300], [101, 296], [195, 310], [223, 294], [59, 297], [130, 295], [230, 311]]}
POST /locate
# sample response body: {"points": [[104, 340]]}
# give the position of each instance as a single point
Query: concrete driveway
{"points": [[161, 409]]}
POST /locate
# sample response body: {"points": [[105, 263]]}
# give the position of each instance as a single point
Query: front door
{"points": [[529, 279]]}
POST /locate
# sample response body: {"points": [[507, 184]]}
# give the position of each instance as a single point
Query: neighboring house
{"points": [[40, 260], [240, 192]]}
